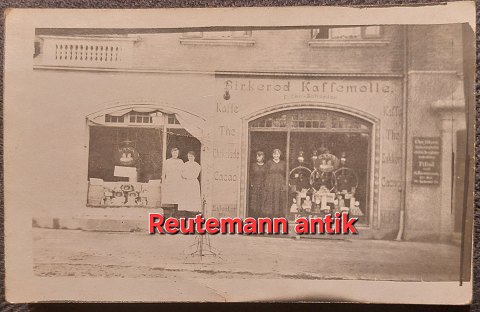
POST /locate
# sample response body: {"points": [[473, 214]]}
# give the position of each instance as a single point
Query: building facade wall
{"points": [[272, 50], [370, 81], [434, 72]]}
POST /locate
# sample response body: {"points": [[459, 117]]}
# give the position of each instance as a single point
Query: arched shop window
{"points": [[127, 150], [327, 162]]}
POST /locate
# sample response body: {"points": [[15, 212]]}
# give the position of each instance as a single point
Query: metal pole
{"points": [[164, 139], [464, 212], [403, 202], [287, 173]]}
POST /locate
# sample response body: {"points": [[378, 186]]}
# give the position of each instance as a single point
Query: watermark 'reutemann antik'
{"points": [[336, 224]]}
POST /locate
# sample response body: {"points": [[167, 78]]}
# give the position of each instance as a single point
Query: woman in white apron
{"points": [[172, 179], [191, 200]]}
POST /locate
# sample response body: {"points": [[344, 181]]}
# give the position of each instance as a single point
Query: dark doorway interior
{"points": [[341, 139]]}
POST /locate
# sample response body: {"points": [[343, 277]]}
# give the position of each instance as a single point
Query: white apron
{"points": [[172, 183], [191, 199]]}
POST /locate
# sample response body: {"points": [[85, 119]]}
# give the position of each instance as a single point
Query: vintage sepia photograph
{"points": [[108, 121]]}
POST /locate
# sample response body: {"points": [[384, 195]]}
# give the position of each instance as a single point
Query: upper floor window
{"points": [[345, 36], [237, 37], [218, 34], [347, 33]]}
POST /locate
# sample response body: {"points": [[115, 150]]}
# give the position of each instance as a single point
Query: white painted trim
{"points": [[327, 43], [226, 73], [217, 42], [93, 38], [433, 72]]}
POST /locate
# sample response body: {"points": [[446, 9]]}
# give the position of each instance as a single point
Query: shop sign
{"points": [[305, 86], [426, 160]]}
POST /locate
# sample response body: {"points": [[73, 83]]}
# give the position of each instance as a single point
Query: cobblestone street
{"points": [[115, 254]]}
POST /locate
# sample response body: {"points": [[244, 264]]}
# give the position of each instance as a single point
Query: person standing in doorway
{"points": [[172, 179], [191, 199], [275, 190], [258, 173]]}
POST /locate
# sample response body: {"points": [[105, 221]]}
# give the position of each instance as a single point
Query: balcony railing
{"points": [[87, 52]]}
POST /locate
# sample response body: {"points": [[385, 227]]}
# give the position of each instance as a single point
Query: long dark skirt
{"points": [[275, 195]]}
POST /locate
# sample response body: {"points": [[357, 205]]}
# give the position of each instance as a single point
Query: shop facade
{"points": [[360, 124], [327, 126]]}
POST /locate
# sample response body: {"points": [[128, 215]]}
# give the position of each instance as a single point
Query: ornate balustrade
{"points": [[87, 52]]}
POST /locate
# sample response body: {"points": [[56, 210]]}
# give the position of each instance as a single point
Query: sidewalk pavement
{"points": [[140, 255]]}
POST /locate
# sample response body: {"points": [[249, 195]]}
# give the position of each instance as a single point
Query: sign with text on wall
{"points": [[426, 160]]}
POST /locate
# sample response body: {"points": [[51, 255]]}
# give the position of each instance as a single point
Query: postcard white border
{"points": [[24, 286]]}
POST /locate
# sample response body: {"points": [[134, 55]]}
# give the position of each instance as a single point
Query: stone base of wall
{"points": [[100, 219], [91, 224], [427, 236]]}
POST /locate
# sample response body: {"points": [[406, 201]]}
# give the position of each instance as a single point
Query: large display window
{"points": [[306, 162], [128, 152]]}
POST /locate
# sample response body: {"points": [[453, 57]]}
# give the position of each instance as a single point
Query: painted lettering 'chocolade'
{"points": [[226, 153]]}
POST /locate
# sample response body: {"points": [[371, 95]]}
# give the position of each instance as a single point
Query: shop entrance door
{"points": [[327, 163], [264, 143]]}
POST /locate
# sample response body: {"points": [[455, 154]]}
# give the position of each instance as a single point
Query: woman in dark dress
{"points": [[258, 171], [275, 192]]}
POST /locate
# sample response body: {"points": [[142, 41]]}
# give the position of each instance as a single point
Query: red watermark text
{"points": [[338, 223]]}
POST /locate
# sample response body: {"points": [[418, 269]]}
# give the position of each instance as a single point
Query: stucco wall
{"points": [[52, 154], [435, 67]]}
